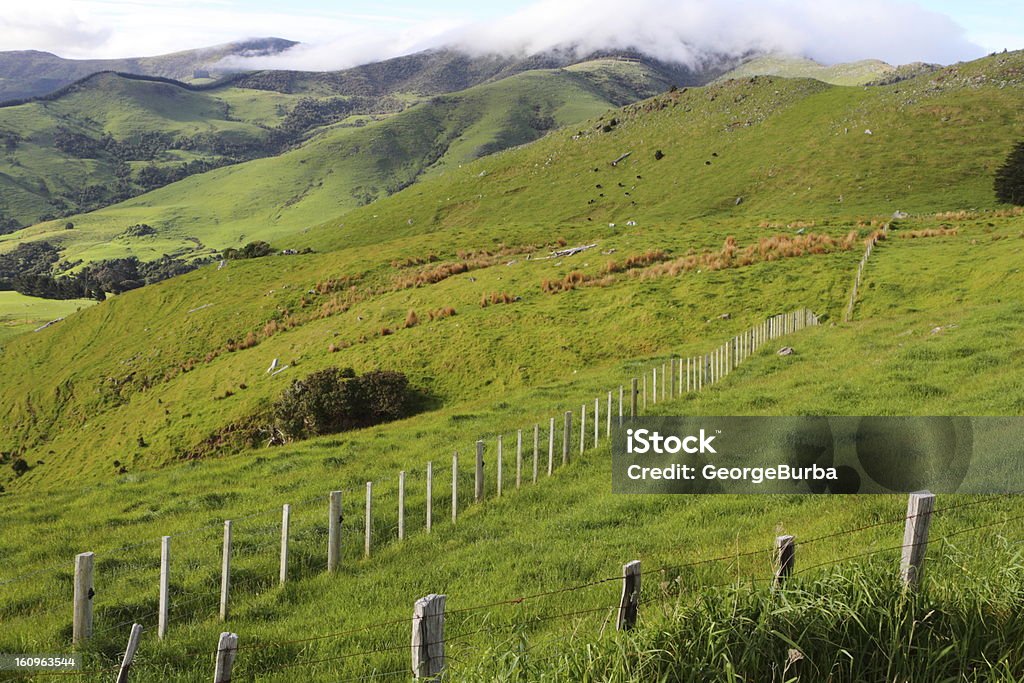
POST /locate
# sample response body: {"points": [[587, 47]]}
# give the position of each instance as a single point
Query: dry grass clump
{"points": [[441, 313], [930, 232], [495, 298]]}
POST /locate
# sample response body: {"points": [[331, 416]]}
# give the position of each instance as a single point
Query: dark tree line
{"points": [[29, 270]]}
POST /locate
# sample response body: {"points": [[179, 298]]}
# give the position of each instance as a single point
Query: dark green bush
{"points": [[1009, 184], [336, 399]]}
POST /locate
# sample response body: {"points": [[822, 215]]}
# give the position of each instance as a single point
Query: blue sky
{"points": [[339, 33]]}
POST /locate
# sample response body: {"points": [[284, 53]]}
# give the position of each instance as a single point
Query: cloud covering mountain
{"points": [[687, 31]]}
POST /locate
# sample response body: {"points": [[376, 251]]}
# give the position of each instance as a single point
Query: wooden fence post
{"points": [[225, 572], [401, 505], [478, 481], [519, 458], [286, 523], [536, 450], [428, 636], [81, 624], [129, 653], [629, 603], [632, 398], [672, 378], [608, 418], [654, 386], [430, 495], [455, 487], [644, 402], [597, 421], [622, 391], [915, 536], [785, 555], [368, 525], [165, 587], [583, 428], [500, 468], [227, 648], [334, 516], [566, 436], [551, 446]]}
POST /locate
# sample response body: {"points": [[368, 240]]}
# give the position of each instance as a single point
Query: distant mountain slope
{"points": [[349, 164], [853, 73], [30, 73]]}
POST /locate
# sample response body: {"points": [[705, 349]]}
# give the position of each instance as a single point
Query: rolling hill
{"points": [[31, 73], [341, 165]]}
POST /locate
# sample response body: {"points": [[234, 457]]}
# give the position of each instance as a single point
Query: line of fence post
{"points": [[334, 517], [536, 450], [225, 572], [632, 398], [519, 458], [286, 523], [455, 487], [920, 506], [165, 587], [785, 556], [566, 436], [478, 481], [368, 525], [629, 603], [500, 469], [551, 446], [81, 624], [401, 505], [227, 648], [430, 495], [428, 655], [129, 653]]}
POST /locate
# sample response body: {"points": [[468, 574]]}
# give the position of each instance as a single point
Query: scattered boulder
{"points": [[786, 351]]}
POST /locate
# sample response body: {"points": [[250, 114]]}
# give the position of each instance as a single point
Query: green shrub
{"points": [[1009, 183], [335, 400]]}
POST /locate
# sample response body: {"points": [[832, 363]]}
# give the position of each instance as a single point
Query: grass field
{"points": [[935, 332], [26, 313]]}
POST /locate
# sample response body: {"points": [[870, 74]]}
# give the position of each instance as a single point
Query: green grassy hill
{"points": [[864, 72], [345, 165], [935, 332]]}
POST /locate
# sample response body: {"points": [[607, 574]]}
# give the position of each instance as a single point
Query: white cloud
{"points": [[685, 31], [678, 30]]}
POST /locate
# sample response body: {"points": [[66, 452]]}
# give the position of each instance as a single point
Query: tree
{"points": [[1009, 184]]}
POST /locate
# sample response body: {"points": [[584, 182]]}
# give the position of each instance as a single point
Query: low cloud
{"points": [[683, 31]]}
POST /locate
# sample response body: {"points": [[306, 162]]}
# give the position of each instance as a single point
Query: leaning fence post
{"points": [[129, 653], [785, 555], [478, 482], [915, 536], [401, 505], [286, 523], [81, 628], [165, 586], [430, 495], [566, 437], [629, 603], [455, 487], [227, 648], [334, 531], [225, 571], [428, 636], [368, 526]]}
